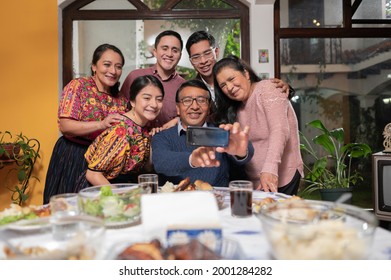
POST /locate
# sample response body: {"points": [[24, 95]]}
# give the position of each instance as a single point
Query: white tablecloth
{"points": [[248, 233]]}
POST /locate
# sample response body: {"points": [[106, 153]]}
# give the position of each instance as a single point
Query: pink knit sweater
{"points": [[273, 132]]}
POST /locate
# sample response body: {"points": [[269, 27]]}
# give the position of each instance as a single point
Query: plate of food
{"points": [[197, 185], [262, 199], [30, 225], [192, 250], [19, 218]]}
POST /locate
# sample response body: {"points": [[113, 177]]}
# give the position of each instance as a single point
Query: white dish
{"points": [[29, 225], [257, 195], [230, 249]]}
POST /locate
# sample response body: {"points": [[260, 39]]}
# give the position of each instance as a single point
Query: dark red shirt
{"points": [[170, 85]]}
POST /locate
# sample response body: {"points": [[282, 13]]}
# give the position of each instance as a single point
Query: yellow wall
{"points": [[29, 81]]}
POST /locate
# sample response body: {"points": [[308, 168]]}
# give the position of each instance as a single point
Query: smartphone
{"points": [[207, 136]]}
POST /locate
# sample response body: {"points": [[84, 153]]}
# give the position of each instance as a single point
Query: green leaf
{"points": [[106, 191], [22, 175], [326, 142], [319, 125], [333, 169], [338, 134]]}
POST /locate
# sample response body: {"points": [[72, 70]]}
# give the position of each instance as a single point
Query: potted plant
{"points": [[8, 149], [24, 152], [331, 164]]}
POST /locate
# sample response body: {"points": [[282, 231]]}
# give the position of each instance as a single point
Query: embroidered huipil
{"points": [[81, 101], [119, 149]]}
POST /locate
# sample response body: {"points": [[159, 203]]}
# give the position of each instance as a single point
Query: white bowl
{"points": [[308, 229], [61, 237]]}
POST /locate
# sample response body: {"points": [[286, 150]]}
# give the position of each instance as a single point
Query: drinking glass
{"points": [[241, 198], [62, 206], [149, 181], [65, 204]]}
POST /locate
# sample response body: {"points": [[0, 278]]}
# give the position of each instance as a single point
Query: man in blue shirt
{"points": [[174, 160]]}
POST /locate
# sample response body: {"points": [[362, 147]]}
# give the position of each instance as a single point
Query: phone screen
{"points": [[207, 136]]}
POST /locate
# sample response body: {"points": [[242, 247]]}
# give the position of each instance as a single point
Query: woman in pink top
{"points": [[242, 96]]}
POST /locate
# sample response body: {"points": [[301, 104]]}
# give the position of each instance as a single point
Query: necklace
{"points": [[131, 115]]}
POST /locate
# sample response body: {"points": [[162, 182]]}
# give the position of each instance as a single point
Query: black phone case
{"points": [[207, 136]]}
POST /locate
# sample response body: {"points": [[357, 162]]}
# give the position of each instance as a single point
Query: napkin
{"points": [[175, 218]]}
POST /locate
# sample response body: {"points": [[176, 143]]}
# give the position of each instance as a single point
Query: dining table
{"points": [[244, 237]]}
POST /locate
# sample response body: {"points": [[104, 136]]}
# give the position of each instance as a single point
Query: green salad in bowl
{"points": [[117, 204]]}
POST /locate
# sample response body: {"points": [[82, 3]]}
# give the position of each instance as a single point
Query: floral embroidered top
{"points": [[82, 101], [119, 149]]}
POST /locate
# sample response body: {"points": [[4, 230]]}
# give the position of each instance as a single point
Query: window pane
{"points": [[202, 4], [373, 9], [311, 14], [109, 5], [349, 89], [136, 38], [154, 4]]}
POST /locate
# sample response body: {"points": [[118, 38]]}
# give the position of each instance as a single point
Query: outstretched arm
{"points": [[237, 146]]}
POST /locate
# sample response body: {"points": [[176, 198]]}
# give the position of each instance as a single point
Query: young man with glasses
{"points": [[168, 52], [174, 160], [203, 54]]}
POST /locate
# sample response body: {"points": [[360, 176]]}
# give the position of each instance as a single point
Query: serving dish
{"points": [[257, 197], [229, 250], [198, 185], [309, 229], [66, 237], [117, 204], [29, 225], [16, 214]]}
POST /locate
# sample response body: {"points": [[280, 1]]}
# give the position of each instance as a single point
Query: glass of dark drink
{"points": [[149, 181], [241, 194]]}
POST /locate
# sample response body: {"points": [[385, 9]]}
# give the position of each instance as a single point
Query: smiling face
{"points": [[108, 70], [168, 53], [206, 58], [147, 104], [194, 114], [235, 84]]}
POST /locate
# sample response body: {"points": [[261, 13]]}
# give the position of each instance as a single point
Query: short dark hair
{"points": [[199, 36], [192, 83], [114, 90], [168, 33], [141, 82]]}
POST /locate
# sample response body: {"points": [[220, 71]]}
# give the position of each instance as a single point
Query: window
{"points": [[340, 68], [132, 25]]}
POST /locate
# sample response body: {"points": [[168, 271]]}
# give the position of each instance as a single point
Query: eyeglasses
{"points": [[201, 100], [196, 59]]}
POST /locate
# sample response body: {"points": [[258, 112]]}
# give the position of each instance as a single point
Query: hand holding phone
{"points": [[207, 136]]}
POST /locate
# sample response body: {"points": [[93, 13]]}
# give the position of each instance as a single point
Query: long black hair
{"points": [[226, 111], [114, 90]]}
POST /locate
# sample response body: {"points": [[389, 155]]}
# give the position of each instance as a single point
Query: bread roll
{"points": [[204, 186]]}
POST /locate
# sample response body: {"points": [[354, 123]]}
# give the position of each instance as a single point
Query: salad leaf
{"points": [[10, 219], [106, 191], [93, 207]]}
